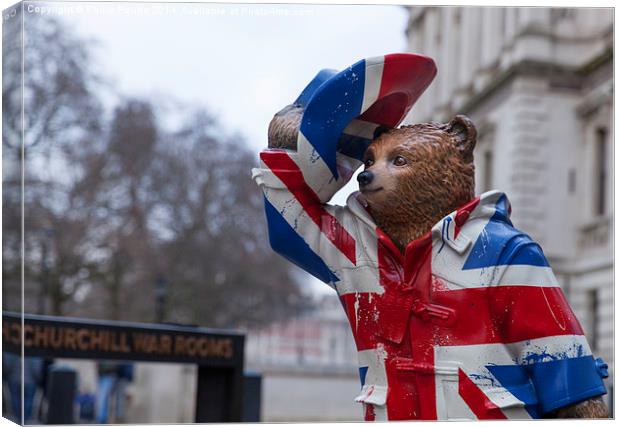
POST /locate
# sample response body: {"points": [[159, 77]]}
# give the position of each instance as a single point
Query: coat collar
{"points": [[491, 204]]}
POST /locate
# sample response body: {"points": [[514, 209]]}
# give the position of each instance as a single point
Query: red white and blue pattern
{"points": [[468, 323], [342, 111]]}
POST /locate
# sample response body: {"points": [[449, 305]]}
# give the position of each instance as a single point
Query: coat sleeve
{"points": [[317, 237], [544, 337]]}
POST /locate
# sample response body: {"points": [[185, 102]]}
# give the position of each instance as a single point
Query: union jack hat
{"points": [[344, 110]]}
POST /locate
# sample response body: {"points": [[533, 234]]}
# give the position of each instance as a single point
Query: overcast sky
{"points": [[243, 62]]}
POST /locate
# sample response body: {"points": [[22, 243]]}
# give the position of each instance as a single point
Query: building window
{"points": [[503, 17], [592, 307], [487, 168], [457, 17], [559, 14], [484, 158], [600, 171], [440, 15], [572, 181]]}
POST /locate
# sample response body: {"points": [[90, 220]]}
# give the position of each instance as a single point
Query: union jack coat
{"points": [[468, 323]]}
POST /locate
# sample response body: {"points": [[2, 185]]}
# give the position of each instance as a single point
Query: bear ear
{"points": [[464, 133]]}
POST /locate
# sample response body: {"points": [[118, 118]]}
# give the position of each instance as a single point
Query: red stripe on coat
{"points": [[289, 173], [478, 402]]}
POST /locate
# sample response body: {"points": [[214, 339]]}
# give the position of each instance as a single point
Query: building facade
{"points": [[538, 83], [308, 366]]}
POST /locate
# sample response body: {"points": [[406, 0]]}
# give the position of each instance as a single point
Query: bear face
{"points": [[415, 175]]}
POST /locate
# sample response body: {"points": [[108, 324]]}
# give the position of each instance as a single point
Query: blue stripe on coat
{"points": [[331, 109], [502, 244], [288, 243], [547, 386], [363, 371], [515, 379]]}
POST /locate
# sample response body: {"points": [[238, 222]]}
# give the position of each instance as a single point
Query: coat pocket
{"points": [[466, 398], [449, 403]]}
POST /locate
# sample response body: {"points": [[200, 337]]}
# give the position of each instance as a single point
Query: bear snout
{"points": [[365, 178]]}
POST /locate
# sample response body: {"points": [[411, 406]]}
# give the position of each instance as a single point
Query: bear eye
{"points": [[368, 163], [400, 161]]}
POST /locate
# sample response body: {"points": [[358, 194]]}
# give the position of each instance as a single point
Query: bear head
{"points": [[415, 175]]}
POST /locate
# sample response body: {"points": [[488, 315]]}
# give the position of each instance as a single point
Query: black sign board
{"points": [[219, 354]]}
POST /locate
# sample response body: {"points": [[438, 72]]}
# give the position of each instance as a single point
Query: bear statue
{"points": [[456, 314]]}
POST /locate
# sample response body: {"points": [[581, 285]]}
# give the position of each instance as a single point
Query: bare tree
{"points": [[180, 206], [11, 164], [217, 254], [114, 207], [60, 115]]}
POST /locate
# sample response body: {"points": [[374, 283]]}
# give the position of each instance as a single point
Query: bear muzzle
{"points": [[365, 178]]}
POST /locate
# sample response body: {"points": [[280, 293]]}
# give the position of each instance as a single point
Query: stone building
{"points": [[538, 83], [308, 366]]}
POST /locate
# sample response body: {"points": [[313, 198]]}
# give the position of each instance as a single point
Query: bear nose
{"points": [[365, 178]]}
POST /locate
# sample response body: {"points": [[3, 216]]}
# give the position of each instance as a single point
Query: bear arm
{"points": [[528, 252], [316, 236]]}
